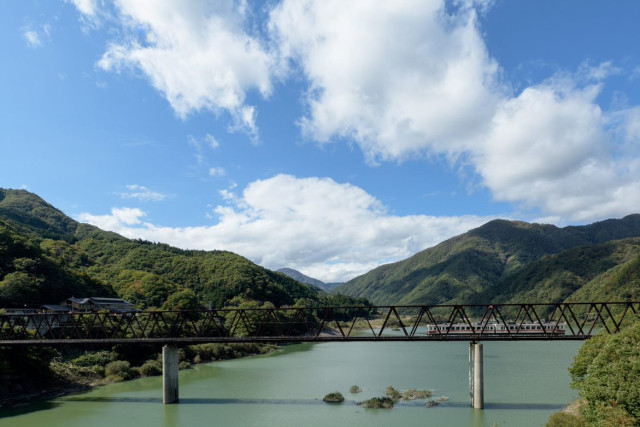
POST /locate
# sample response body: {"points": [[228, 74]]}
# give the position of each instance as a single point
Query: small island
{"points": [[335, 397]]}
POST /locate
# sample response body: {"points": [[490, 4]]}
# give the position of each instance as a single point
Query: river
{"points": [[525, 382]]}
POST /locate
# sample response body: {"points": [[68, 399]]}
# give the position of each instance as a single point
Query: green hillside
{"points": [[46, 257], [603, 272], [505, 260]]}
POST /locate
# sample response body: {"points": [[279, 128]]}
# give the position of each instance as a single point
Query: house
{"points": [[98, 304], [55, 308]]}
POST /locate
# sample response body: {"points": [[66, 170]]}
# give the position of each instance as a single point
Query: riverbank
{"points": [[66, 377]]}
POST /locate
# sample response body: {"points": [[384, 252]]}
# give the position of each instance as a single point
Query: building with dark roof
{"points": [[98, 304]]}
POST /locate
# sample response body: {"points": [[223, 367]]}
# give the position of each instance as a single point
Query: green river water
{"points": [[525, 382]]}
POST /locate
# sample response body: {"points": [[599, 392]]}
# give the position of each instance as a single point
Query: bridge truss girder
{"points": [[318, 324]]}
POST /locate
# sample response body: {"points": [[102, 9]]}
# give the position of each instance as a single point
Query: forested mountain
{"points": [[46, 257], [513, 261], [296, 275]]}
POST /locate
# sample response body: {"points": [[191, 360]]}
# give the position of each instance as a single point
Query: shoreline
{"points": [[59, 388], [24, 401]]}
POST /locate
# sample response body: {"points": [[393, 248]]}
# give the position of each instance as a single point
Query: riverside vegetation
{"points": [[606, 372], [44, 372]]}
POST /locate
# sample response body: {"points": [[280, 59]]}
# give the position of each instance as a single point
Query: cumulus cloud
{"points": [[399, 78], [118, 220], [196, 53], [405, 78], [142, 193], [552, 148], [329, 230]]}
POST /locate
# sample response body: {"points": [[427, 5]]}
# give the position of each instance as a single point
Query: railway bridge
{"points": [[474, 323]]}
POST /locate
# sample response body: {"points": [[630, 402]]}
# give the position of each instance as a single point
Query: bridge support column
{"points": [[476, 377], [169, 374]]}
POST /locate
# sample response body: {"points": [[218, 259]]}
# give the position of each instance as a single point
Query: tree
{"points": [[184, 300], [606, 371]]}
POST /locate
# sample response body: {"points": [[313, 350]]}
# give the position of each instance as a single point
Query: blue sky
{"points": [[326, 136]]}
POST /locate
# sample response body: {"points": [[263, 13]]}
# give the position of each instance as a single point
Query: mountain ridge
{"points": [[463, 267], [46, 256], [302, 278]]}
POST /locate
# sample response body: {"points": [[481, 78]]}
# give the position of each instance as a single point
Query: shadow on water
{"points": [[512, 406], [237, 401], [35, 407]]}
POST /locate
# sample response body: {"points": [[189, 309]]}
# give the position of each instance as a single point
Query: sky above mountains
{"points": [[325, 136]]}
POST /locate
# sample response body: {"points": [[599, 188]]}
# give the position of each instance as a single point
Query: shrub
{"points": [[413, 394], [184, 365], [99, 358], [335, 397], [563, 419], [208, 352], [355, 389], [393, 393], [378, 402], [118, 370], [151, 368]]}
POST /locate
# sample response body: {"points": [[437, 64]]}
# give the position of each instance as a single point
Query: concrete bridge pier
{"points": [[476, 377], [170, 374]]}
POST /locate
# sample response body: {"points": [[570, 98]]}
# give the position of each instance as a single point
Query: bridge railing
{"points": [[297, 324]]}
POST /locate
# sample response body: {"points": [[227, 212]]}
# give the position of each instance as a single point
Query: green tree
{"points": [[606, 371], [185, 299]]}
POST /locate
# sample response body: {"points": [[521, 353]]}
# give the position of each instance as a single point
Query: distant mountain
{"points": [[499, 261], [45, 257], [296, 275]]}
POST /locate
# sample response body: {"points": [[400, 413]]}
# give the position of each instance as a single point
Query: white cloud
{"points": [[118, 221], [86, 7], [217, 171], [211, 141], [196, 53], [399, 78], [405, 78], [35, 37], [91, 14], [331, 231], [32, 38], [552, 148], [142, 193]]}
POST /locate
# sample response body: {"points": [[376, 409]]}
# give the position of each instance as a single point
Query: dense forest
{"points": [[606, 372], [513, 261]]}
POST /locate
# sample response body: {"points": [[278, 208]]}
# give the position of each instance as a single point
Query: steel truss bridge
{"points": [[318, 324]]}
